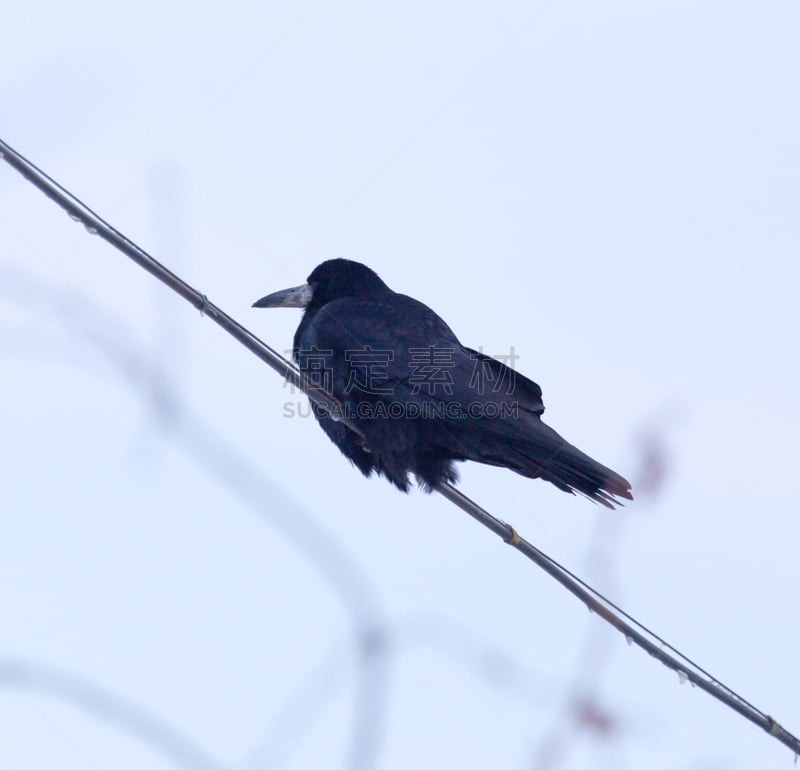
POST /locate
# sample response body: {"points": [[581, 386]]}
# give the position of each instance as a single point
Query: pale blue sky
{"points": [[613, 189]]}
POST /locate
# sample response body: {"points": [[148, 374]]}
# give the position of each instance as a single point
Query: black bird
{"points": [[419, 398]]}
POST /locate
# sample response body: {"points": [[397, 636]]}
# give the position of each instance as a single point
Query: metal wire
{"points": [[634, 632]]}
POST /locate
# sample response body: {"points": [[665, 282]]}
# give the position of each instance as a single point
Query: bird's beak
{"points": [[299, 296]]}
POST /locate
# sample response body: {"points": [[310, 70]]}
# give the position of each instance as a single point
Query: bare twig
{"points": [[686, 669], [218, 459], [376, 639], [103, 704], [479, 657]]}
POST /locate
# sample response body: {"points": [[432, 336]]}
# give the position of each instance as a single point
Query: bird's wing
{"points": [[396, 350], [524, 391], [405, 330], [415, 355]]}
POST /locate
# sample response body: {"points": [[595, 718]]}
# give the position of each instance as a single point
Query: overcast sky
{"points": [[612, 190]]}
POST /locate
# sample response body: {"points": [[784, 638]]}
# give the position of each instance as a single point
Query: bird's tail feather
{"points": [[543, 453]]}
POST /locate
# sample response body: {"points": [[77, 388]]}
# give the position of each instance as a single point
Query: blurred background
{"points": [[190, 573]]}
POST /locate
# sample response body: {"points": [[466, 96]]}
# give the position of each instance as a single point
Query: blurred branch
{"points": [[79, 316], [481, 658], [596, 602], [634, 631], [105, 705], [236, 473], [582, 711]]}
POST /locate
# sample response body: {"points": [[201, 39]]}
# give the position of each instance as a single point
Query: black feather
{"points": [[419, 397]]}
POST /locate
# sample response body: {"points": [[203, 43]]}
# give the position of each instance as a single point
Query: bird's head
{"points": [[334, 279]]}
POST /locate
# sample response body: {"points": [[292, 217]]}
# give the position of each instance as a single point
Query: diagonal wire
{"points": [[633, 630], [242, 478]]}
